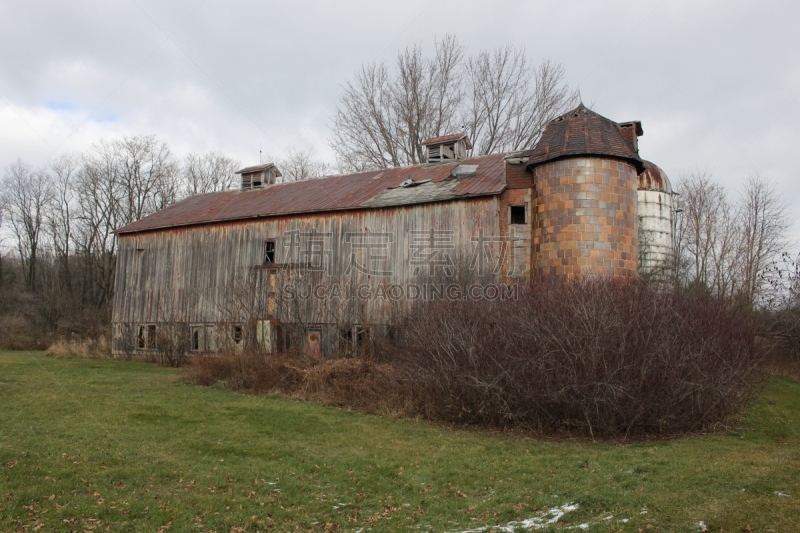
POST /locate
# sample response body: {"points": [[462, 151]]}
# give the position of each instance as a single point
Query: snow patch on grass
{"points": [[540, 521]]}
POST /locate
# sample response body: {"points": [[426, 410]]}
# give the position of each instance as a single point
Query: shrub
{"points": [[597, 356]]}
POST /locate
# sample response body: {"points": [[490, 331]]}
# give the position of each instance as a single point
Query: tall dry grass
{"points": [[90, 348]]}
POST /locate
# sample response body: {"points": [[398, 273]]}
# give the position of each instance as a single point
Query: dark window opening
{"points": [[140, 338], [151, 337], [237, 334], [269, 252], [146, 337], [395, 335], [518, 214], [195, 339]]}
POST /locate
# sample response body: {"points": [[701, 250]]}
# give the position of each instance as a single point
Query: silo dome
{"points": [[654, 195]]}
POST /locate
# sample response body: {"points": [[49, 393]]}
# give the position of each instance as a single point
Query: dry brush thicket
{"points": [[597, 357]]}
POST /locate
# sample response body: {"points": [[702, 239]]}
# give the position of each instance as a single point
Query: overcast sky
{"points": [[715, 84]]}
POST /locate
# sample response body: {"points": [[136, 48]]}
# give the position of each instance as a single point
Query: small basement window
{"points": [[517, 214], [197, 339], [203, 338], [146, 337], [269, 252]]}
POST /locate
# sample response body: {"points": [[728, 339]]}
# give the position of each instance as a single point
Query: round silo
{"points": [[585, 180], [654, 193]]}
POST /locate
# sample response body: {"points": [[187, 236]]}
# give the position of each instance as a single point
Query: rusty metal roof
{"points": [[351, 191], [653, 179], [583, 132]]}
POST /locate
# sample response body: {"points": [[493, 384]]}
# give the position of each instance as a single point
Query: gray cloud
{"points": [[716, 84]]}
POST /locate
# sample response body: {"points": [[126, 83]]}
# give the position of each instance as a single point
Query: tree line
{"points": [[730, 243], [58, 250]]}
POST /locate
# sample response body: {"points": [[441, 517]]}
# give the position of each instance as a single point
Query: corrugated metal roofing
{"points": [[349, 191]]}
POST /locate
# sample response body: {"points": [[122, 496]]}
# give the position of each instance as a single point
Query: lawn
{"points": [[96, 445]]}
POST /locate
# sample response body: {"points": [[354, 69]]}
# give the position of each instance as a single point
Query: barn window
{"points": [[269, 252], [517, 214], [146, 337], [203, 338], [356, 338], [210, 338], [395, 335], [237, 333], [151, 337], [197, 338]]}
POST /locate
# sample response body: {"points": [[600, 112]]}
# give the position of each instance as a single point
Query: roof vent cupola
{"points": [[259, 176], [447, 148]]}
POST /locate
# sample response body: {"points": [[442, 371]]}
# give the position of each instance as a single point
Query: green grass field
{"points": [[96, 445]]}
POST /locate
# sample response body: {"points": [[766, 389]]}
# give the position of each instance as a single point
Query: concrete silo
{"points": [[654, 193]]}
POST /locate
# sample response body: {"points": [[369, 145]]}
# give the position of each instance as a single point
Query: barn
{"points": [[327, 263]]}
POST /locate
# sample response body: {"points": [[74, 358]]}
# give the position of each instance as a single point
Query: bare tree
{"points": [[704, 203], [208, 172], [501, 99], [763, 220], [2, 209], [146, 174], [26, 196], [99, 212], [61, 216], [511, 100], [728, 247], [299, 165]]}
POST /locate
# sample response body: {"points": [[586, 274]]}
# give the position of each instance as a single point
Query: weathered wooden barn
{"points": [[343, 254]]}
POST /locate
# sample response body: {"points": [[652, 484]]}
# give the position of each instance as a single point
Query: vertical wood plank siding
{"points": [[191, 268]]}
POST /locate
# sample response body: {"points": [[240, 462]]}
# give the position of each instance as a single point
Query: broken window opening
{"points": [[203, 338], [140, 338], [353, 339], [146, 337], [518, 214], [196, 339], [237, 333], [269, 252], [395, 335]]}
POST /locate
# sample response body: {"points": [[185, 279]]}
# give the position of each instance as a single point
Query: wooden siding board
{"points": [[189, 268]]}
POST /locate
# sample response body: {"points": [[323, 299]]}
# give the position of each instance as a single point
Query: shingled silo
{"points": [[585, 169]]}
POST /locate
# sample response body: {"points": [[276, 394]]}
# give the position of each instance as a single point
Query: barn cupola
{"points": [[447, 148], [259, 176]]}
